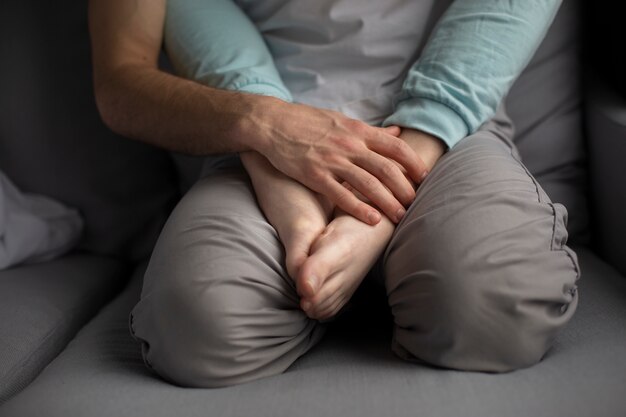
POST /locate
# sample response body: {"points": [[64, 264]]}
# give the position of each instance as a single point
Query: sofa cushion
{"points": [[52, 140], [351, 373], [42, 307], [545, 105]]}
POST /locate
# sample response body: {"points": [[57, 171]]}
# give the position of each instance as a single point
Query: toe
{"points": [[312, 275], [294, 260], [326, 298]]}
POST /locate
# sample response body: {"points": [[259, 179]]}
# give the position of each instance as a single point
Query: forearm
{"points": [[428, 147], [474, 55], [316, 147], [150, 105], [274, 189]]}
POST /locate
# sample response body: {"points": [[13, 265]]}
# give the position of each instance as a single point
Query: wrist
{"points": [[430, 148], [254, 124]]}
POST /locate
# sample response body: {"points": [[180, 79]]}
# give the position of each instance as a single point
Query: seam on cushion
{"points": [[62, 323], [17, 369]]}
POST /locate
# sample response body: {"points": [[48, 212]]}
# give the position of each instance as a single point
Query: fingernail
{"points": [[424, 174], [400, 214], [373, 217], [306, 305]]}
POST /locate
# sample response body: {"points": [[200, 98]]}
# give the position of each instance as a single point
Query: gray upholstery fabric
{"points": [[42, 307], [351, 373], [52, 141], [545, 105]]}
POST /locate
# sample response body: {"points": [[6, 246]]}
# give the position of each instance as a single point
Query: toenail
{"points": [[312, 282], [306, 305]]}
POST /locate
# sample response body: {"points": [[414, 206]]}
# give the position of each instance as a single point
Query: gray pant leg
{"points": [[217, 306], [478, 275]]}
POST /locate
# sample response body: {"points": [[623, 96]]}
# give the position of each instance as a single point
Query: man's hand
{"points": [[319, 148], [323, 149], [341, 256]]}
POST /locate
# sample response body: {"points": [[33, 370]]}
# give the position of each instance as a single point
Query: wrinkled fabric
{"points": [[474, 55], [478, 275], [213, 42], [377, 61], [34, 228]]}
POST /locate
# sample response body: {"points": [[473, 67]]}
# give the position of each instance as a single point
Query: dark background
{"points": [[604, 29]]}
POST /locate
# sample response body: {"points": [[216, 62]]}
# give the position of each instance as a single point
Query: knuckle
{"points": [[362, 130], [333, 159], [345, 144], [389, 169], [355, 126], [342, 197], [371, 183], [316, 175], [398, 146]]}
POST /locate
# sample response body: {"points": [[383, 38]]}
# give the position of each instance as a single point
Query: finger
{"points": [[398, 150], [389, 174], [313, 275], [392, 130], [374, 191], [347, 201]]}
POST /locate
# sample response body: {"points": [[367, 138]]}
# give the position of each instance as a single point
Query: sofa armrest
{"points": [[606, 138]]}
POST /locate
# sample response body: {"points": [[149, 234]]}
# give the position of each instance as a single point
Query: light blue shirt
{"points": [[472, 57]]}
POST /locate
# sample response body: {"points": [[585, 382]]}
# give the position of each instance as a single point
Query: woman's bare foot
{"points": [[298, 221], [328, 261], [298, 214], [339, 260]]}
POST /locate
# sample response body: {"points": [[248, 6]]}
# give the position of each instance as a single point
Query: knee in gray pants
{"points": [[208, 338], [478, 275], [217, 307]]}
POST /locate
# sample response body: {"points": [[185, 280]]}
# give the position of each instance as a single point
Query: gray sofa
{"points": [[65, 347]]}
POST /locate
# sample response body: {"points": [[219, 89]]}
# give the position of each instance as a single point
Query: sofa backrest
{"points": [[53, 142], [545, 104]]}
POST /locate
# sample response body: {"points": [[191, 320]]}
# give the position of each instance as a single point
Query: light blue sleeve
{"points": [[475, 53], [213, 42]]}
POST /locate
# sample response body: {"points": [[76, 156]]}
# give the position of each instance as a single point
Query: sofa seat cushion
{"points": [[351, 373], [43, 306]]}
